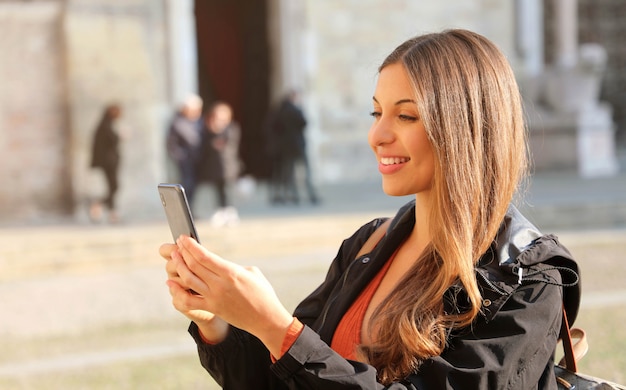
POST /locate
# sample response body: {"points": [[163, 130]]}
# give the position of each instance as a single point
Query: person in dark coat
{"points": [[106, 156], [461, 291], [219, 163], [288, 152], [184, 141]]}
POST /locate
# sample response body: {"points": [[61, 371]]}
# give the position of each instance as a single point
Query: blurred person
{"points": [[288, 152], [106, 156], [183, 142], [273, 149], [219, 162], [459, 291]]}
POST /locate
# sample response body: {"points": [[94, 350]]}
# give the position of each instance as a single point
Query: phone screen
{"points": [[177, 210]]}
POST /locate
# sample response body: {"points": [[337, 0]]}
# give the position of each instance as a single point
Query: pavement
{"points": [[68, 278]]}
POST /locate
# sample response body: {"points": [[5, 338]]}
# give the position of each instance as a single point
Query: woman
{"points": [[219, 159], [461, 292], [106, 156]]}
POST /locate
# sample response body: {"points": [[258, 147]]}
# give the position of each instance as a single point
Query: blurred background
{"points": [[62, 62], [85, 306]]}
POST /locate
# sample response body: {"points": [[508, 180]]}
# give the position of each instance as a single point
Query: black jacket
{"points": [[105, 152], [219, 155], [509, 346], [183, 139]]}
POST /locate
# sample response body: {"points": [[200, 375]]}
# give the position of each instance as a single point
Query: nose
{"points": [[380, 133]]}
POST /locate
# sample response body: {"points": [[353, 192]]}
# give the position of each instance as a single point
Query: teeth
{"points": [[393, 160]]}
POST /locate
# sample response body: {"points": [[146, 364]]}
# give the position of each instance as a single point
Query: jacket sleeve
{"points": [[239, 362]]}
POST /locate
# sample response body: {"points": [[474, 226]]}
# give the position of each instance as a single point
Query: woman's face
{"points": [[219, 119], [398, 137]]}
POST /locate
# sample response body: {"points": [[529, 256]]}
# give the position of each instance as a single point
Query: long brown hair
{"points": [[470, 106]]}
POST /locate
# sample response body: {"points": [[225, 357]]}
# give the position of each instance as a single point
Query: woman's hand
{"points": [[241, 296], [212, 328]]}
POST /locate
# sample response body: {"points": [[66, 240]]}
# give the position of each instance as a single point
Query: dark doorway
{"points": [[233, 66]]}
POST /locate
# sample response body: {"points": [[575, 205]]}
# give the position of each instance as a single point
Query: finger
{"points": [[166, 250], [182, 299], [188, 278], [175, 288], [170, 269], [192, 250]]}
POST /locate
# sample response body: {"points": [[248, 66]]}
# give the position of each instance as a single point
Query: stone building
{"points": [[62, 61], [601, 22]]}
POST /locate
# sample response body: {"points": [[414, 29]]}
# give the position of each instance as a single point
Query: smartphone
{"points": [[177, 210]]}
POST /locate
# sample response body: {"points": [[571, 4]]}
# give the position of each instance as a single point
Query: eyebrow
{"points": [[401, 101]]}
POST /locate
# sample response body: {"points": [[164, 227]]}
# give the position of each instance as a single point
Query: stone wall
{"points": [[116, 53], [61, 64], [34, 142]]}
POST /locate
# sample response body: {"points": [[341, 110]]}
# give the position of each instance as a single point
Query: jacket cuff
{"points": [[306, 345], [232, 339]]}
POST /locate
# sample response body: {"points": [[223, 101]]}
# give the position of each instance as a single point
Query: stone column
{"points": [[529, 35], [289, 42], [529, 46], [566, 38], [182, 50]]}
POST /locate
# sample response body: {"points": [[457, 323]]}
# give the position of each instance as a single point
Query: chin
{"points": [[395, 190]]}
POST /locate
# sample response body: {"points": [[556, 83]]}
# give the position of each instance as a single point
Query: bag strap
{"points": [[374, 238], [573, 351]]}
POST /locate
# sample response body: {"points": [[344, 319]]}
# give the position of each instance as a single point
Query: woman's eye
{"points": [[407, 118], [401, 117]]}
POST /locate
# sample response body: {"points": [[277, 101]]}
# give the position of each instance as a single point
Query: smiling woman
{"points": [[398, 137], [461, 291]]}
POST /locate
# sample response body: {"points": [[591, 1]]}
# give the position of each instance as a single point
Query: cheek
{"points": [[424, 154], [430, 163]]}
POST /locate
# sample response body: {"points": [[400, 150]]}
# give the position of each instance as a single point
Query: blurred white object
{"points": [[246, 186]]}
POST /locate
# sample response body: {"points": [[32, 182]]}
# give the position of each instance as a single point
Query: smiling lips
{"points": [[389, 165], [393, 160]]}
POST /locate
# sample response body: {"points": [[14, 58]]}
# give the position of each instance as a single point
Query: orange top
{"points": [[348, 333]]}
